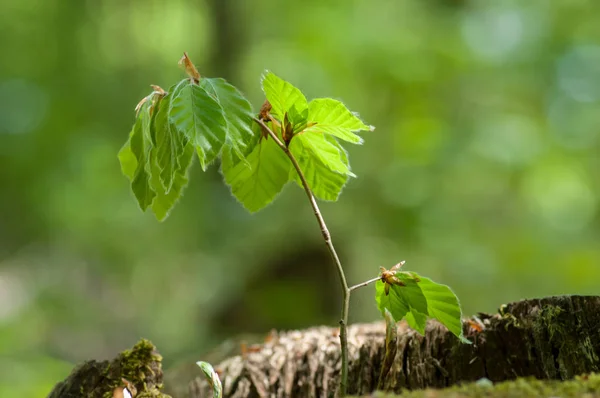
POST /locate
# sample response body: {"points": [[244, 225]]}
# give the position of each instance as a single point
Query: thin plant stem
{"points": [[334, 256], [352, 288]]}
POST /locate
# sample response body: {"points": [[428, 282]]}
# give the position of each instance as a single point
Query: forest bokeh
{"points": [[483, 172]]}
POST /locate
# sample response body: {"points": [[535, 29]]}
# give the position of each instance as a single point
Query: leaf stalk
{"points": [[328, 242], [363, 284]]}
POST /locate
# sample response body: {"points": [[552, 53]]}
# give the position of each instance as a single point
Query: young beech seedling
{"points": [[290, 139]]}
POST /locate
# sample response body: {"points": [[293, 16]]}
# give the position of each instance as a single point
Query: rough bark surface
{"points": [[551, 338]]}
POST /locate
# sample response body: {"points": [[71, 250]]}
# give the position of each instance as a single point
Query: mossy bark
{"points": [[587, 386], [555, 338], [140, 366], [551, 338]]}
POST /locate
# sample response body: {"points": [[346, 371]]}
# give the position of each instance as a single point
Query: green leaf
{"points": [[332, 117], [258, 180], [412, 292], [393, 301], [443, 305], [418, 298], [200, 117], [166, 200], [238, 113], [231, 154], [323, 162], [212, 377], [284, 98], [416, 320], [170, 143], [317, 145], [406, 301], [128, 160], [134, 159]]}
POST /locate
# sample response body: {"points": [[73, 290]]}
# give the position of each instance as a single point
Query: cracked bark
{"points": [[549, 338]]}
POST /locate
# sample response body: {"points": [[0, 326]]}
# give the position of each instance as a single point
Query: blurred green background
{"points": [[483, 172]]}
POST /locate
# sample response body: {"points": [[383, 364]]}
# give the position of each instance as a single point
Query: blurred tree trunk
{"points": [[228, 39]]}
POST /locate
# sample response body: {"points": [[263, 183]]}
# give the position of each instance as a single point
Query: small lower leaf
{"points": [[443, 305], [393, 302], [412, 292], [406, 299], [415, 297], [416, 320]]}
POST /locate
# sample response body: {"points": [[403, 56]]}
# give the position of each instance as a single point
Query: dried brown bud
{"points": [[189, 68]]}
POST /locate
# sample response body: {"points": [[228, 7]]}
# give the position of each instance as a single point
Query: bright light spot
{"points": [[578, 73], [508, 139], [493, 33], [574, 125], [561, 196], [13, 295]]}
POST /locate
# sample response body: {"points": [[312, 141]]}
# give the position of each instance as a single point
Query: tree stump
{"points": [[554, 338], [550, 338]]}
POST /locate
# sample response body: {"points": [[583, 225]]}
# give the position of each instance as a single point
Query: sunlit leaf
{"points": [[311, 152], [200, 117], [212, 377], [284, 98], [332, 117], [326, 151], [258, 180]]}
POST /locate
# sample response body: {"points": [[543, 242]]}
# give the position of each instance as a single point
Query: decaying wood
{"points": [[550, 338], [139, 369]]}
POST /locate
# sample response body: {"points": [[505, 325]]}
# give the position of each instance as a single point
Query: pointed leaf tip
{"points": [[283, 96], [332, 117]]}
